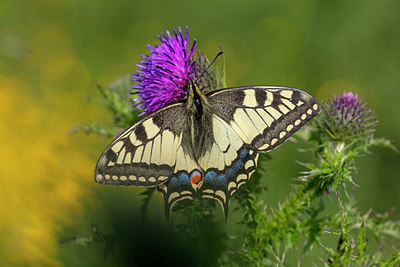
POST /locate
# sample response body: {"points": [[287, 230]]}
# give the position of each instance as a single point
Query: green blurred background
{"points": [[54, 52]]}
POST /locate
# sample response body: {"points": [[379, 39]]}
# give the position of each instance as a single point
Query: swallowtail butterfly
{"points": [[207, 142]]}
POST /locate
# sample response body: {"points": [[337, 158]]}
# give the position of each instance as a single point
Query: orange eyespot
{"points": [[195, 177]]}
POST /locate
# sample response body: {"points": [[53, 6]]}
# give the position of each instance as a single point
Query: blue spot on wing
{"points": [[174, 181], [229, 173], [221, 179], [243, 153], [210, 177], [184, 178], [238, 165]]}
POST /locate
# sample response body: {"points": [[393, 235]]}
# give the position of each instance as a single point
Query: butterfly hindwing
{"points": [[184, 181], [227, 165], [264, 117], [220, 185], [144, 154], [217, 174]]}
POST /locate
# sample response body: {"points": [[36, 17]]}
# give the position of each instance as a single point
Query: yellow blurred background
{"points": [[54, 52], [43, 171]]}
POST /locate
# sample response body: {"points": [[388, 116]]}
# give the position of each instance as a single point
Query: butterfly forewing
{"points": [[264, 117], [145, 154]]}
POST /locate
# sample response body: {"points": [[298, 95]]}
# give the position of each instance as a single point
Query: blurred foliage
{"points": [[53, 52]]}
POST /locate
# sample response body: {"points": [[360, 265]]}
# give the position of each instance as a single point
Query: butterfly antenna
{"points": [[177, 85], [171, 77], [170, 73], [220, 53]]}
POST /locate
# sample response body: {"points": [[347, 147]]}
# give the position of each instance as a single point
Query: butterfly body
{"points": [[208, 143], [197, 127]]}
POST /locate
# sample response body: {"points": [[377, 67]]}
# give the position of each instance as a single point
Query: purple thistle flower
{"points": [[163, 76], [346, 118]]}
